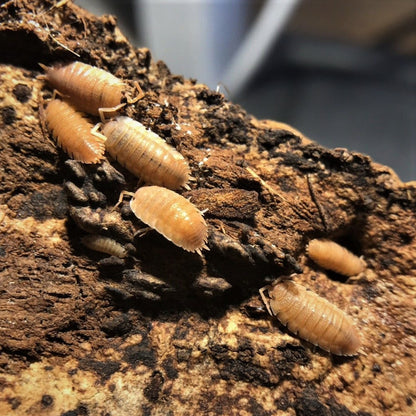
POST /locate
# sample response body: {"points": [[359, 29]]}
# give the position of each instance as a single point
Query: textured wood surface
{"points": [[166, 332]]}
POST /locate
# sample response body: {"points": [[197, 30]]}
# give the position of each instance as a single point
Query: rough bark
{"points": [[167, 332]]}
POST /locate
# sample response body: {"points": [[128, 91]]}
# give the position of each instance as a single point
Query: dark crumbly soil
{"points": [[169, 332]]}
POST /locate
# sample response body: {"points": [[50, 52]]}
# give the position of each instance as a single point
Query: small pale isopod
{"points": [[104, 245], [73, 132], [172, 215], [89, 88], [332, 256], [312, 317], [145, 154]]}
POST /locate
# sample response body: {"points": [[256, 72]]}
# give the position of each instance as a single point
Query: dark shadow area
{"points": [[25, 49]]}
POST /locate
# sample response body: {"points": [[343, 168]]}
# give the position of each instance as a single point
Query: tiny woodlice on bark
{"points": [[145, 154], [89, 88], [332, 256], [172, 215], [312, 317], [73, 132], [104, 245]]}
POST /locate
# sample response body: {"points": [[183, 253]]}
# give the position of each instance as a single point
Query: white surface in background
{"points": [[258, 42], [196, 38], [209, 39]]}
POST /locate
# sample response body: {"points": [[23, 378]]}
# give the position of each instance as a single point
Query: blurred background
{"points": [[342, 72]]}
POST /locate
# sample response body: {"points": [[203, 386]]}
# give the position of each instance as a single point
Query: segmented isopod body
{"points": [[312, 317], [332, 256], [73, 132], [172, 215], [104, 245], [87, 87], [145, 154]]}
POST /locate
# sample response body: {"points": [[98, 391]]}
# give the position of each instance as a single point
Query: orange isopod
{"points": [[104, 245], [89, 88], [172, 215], [145, 154], [312, 317], [73, 132], [332, 256]]}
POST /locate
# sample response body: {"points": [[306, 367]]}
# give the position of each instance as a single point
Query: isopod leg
{"points": [[120, 199], [56, 93], [142, 231], [199, 250], [103, 110], [139, 96], [97, 134], [265, 299], [44, 67]]}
